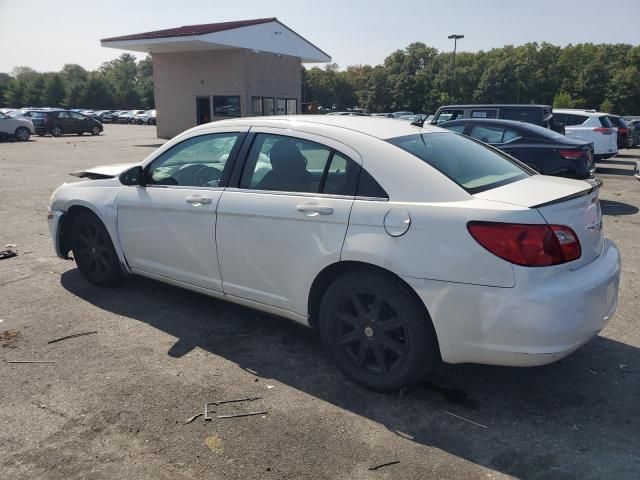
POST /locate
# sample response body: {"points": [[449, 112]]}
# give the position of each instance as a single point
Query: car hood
{"points": [[103, 171]]}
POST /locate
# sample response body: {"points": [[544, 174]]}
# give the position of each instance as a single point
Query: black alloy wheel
{"points": [[376, 330], [93, 251]]}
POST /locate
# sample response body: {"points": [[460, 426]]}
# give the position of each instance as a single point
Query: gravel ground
{"points": [[113, 404]]}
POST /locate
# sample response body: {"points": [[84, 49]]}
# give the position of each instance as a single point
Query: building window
{"points": [[256, 106], [226, 106], [292, 106], [282, 106], [268, 106]]}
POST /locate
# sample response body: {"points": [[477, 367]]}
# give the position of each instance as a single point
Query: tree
{"points": [[607, 106], [122, 73], [53, 95], [14, 93], [33, 92], [562, 100], [96, 93]]}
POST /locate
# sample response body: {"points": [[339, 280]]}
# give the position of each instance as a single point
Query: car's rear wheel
{"points": [[23, 134], [377, 331], [95, 131], [56, 131], [93, 250]]}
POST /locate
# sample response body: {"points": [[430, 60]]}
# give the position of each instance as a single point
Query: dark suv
{"points": [[60, 122], [624, 131], [541, 115]]}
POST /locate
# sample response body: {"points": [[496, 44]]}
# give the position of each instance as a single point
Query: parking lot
{"points": [[113, 404]]}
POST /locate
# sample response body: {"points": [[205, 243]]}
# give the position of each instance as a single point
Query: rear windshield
{"points": [[605, 122], [618, 122], [468, 163]]}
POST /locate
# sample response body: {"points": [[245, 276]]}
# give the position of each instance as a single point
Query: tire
{"points": [[56, 131], [23, 134], [95, 131], [377, 331], [93, 251]]}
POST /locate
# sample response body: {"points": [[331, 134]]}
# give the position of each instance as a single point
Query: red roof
{"points": [[188, 30]]}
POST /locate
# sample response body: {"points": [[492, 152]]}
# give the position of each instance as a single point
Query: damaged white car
{"points": [[403, 245]]}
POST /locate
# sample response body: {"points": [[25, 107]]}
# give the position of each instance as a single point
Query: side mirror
{"points": [[133, 176]]}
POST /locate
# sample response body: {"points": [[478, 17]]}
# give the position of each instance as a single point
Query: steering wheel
{"points": [[206, 176]]}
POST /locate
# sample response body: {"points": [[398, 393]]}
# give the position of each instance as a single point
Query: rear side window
{"points": [[605, 122], [469, 164], [527, 115], [573, 120], [484, 113]]}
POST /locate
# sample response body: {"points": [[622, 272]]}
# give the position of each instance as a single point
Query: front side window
{"points": [[447, 115], [280, 163], [195, 162], [469, 164], [226, 106]]}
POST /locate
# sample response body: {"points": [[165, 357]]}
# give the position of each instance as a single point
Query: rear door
{"points": [[287, 216]]}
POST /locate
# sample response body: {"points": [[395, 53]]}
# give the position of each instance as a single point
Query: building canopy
{"points": [[260, 35]]}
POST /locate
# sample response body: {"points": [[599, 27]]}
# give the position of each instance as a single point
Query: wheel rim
{"points": [[95, 130], [23, 134], [56, 131], [370, 333], [92, 251]]}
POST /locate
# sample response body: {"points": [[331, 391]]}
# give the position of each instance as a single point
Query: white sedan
{"points": [[403, 245]]}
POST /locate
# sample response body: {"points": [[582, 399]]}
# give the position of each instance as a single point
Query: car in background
{"points": [[590, 126], [134, 114], [541, 115], [62, 122], [401, 113], [125, 116], [635, 132], [544, 150], [352, 113], [146, 118], [386, 115], [15, 127], [417, 118], [106, 116], [624, 131]]}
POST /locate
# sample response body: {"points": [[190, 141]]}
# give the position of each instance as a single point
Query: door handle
{"points": [[312, 210], [197, 200]]}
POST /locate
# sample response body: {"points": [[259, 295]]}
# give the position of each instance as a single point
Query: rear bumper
{"points": [[527, 325]]}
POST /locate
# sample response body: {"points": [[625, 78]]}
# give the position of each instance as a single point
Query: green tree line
{"points": [[122, 83], [418, 78]]}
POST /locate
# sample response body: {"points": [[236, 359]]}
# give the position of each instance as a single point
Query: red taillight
{"points": [[527, 245], [603, 130], [623, 130], [571, 154]]}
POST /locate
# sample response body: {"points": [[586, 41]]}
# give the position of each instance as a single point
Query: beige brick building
{"points": [[209, 72]]}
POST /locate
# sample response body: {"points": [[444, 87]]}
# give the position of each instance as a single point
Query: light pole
{"points": [[453, 74]]}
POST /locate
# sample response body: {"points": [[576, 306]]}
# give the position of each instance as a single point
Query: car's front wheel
{"points": [[93, 250], [23, 134], [377, 331]]}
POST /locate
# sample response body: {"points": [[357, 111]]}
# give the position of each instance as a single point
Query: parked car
{"points": [[401, 114], [134, 114], [357, 114], [61, 122], [146, 118], [417, 118], [635, 132], [541, 115], [19, 128], [590, 126], [436, 247], [387, 115], [624, 131], [544, 150]]}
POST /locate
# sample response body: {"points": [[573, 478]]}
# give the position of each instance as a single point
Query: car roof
{"points": [[590, 113], [496, 105], [379, 127]]}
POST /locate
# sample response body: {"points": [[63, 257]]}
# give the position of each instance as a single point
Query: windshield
{"points": [[468, 163]]}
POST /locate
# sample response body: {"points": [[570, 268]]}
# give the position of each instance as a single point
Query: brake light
{"points": [[527, 245], [603, 130], [571, 154]]}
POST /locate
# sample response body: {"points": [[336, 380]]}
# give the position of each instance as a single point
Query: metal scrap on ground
{"points": [[71, 336], [217, 403], [30, 361], [4, 254], [376, 467], [465, 419]]}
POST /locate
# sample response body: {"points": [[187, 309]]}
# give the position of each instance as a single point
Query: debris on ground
{"points": [[386, 464], [9, 338], [10, 245], [30, 361], [215, 444], [216, 404], [82, 334], [465, 419], [4, 254]]}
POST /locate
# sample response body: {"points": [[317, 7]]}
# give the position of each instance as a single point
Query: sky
{"points": [[46, 34]]}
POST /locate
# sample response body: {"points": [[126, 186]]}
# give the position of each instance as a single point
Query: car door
{"points": [[77, 122], [167, 226], [286, 217]]}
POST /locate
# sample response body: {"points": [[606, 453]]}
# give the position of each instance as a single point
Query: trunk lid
{"points": [[560, 201]]}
